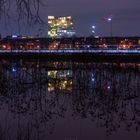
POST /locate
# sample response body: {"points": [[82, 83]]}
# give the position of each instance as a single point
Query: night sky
{"points": [[125, 14]]}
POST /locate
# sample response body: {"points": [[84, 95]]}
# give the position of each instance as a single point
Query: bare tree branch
{"points": [[27, 10]]}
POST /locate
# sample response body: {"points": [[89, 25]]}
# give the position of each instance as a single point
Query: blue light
{"points": [[93, 29], [108, 87], [14, 36], [14, 70], [93, 79], [109, 19], [14, 67]]}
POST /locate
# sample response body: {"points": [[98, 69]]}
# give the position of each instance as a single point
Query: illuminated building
{"points": [[139, 42], [59, 27], [125, 44]]}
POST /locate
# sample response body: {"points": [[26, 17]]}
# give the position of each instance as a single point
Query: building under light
{"points": [[59, 27]]}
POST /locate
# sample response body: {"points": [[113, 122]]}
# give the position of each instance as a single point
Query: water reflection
{"points": [[35, 95], [61, 80]]}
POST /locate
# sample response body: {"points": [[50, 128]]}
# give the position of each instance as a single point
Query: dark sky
{"points": [[125, 13]]}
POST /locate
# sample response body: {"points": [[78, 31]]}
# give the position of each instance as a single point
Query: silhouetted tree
{"points": [[23, 9]]}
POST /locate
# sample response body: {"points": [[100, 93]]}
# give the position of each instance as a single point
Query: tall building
{"points": [[59, 27]]}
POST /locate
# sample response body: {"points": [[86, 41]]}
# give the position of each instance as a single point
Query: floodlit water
{"points": [[42, 100]]}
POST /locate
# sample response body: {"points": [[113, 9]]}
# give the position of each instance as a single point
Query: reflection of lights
{"points": [[64, 74], [52, 74], [65, 85], [60, 84], [108, 87], [65, 82], [50, 89], [14, 68], [93, 79], [68, 73], [60, 80]]}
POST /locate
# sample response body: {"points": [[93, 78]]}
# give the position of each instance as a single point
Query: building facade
{"points": [[59, 27]]}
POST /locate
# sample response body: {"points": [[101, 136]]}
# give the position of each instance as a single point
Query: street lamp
{"points": [[110, 21], [93, 29]]}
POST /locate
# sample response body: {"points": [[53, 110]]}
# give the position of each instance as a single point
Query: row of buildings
{"points": [[59, 27], [27, 43]]}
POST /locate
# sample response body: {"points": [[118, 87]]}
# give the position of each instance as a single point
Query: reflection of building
{"points": [[59, 27], [61, 80]]}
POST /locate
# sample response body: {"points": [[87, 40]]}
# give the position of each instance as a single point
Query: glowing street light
{"points": [[110, 21], [93, 29]]}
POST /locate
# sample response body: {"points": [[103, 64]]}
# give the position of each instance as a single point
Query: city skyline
{"points": [[59, 27], [125, 17]]}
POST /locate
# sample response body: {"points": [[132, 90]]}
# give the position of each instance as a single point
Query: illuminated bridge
{"points": [[73, 51], [75, 54]]}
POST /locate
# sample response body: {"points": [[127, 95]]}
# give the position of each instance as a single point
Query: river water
{"points": [[41, 100]]}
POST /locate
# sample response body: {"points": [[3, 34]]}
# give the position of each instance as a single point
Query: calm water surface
{"points": [[42, 100]]}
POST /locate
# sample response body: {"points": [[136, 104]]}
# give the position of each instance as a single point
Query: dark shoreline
{"points": [[79, 57]]}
